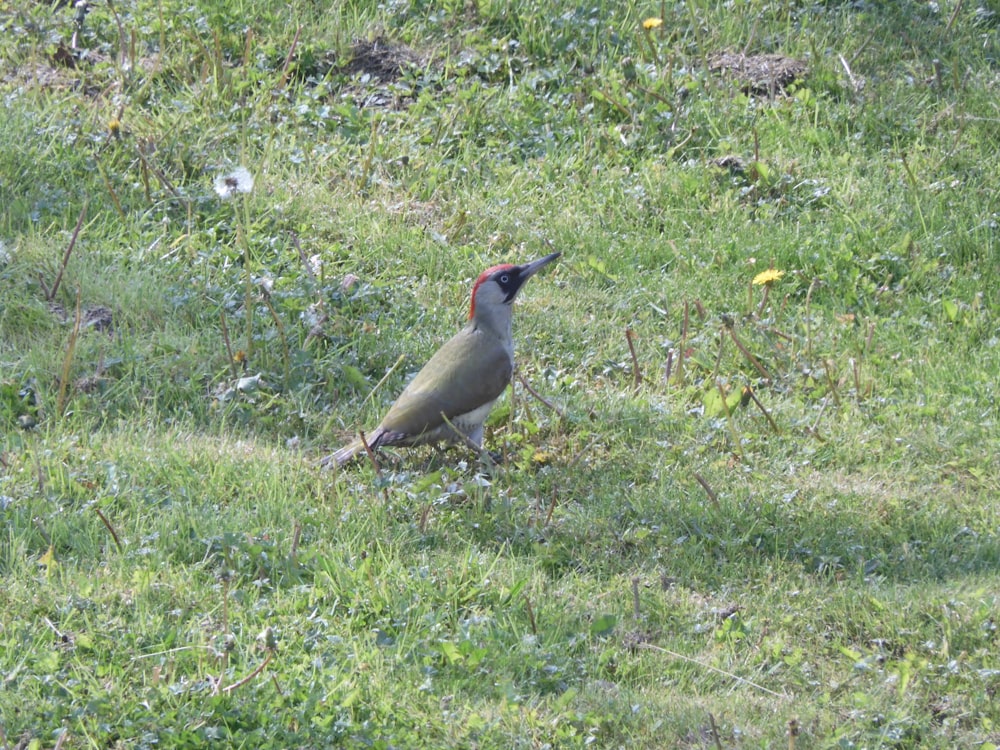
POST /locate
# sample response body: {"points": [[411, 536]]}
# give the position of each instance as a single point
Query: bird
{"points": [[450, 398]]}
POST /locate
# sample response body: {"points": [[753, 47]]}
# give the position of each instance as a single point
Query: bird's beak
{"points": [[523, 273], [530, 269]]}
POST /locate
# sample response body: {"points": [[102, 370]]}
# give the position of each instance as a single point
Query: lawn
{"points": [[749, 467]]}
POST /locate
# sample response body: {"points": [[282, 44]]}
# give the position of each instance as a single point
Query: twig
{"points": [[954, 15], [668, 366], [708, 490], [533, 392], [158, 174], [229, 346], [617, 104], [69, 249], [781, 334], [111, 190], [260, 668], [746, 353], [302, 257], [654, 647], [629, 336], [871, 334], [815, 424], [829, 380], [770, 420], [274, 679], [864, 45], [110, 528], [635, 598], [552, 507], [531, 615], [581, 452], [288, 59], [715, 731]]}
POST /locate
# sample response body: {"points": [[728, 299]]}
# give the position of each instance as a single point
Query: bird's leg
{"points": [[489, 461], [477, 448]]}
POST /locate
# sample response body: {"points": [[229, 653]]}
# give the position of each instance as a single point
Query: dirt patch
{"points": [[764, 75], [98, 317], [380, 59], [375, 66]]}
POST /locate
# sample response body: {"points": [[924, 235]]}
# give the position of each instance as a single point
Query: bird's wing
{"points": [[467, 372]]}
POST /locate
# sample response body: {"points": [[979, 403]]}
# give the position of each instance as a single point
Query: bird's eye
{"points": [[505, 279]]}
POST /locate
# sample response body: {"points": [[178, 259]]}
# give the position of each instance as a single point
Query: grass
{"points": [[748, 515]]}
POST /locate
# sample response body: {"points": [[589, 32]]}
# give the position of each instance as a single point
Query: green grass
{"points": [[658, 561]]}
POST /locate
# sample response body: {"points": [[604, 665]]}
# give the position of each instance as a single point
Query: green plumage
{"points": [[471, 369], [458, 385]]}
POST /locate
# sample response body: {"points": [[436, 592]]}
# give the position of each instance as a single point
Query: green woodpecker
{"points": [[450, 398]]}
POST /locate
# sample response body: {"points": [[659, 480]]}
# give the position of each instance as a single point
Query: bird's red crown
{"points": [[483, 277]]}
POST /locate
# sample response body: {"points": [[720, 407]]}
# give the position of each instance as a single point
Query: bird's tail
{"points": [[350, 451]]}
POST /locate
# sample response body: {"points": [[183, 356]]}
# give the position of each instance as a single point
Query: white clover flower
{"points": [[316, 264], [238, 181]]}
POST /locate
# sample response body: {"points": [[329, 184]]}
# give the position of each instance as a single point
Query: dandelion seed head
{"points": [[238, 181]]}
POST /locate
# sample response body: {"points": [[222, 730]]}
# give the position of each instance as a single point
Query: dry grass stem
{"points": [[708, 490], [109, 527], [51, 293], [67, 364], [538, 397], [636, 372]]}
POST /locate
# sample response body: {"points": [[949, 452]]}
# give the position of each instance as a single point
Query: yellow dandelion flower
{"points": [[114, 126], [652, 23], [767, 277]]}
